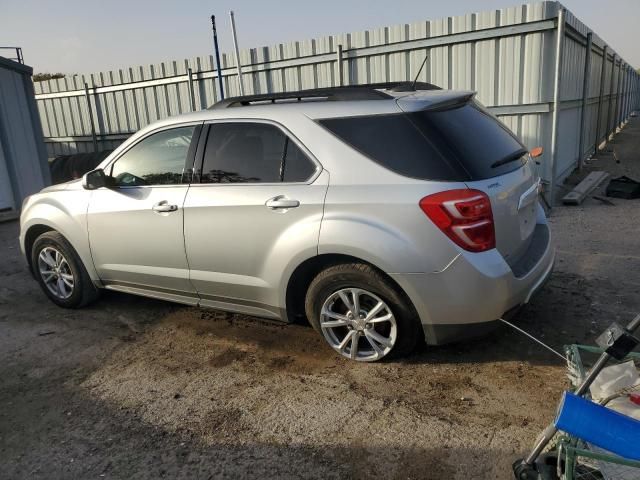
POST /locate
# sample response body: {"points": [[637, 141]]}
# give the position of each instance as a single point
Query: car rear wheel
{"points": [[60, 271], [361, 314]]}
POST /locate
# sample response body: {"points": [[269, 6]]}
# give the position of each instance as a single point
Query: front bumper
{"points": [[467, 297]]}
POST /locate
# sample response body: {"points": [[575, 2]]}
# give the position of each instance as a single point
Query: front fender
{"points": [[65, 212]]}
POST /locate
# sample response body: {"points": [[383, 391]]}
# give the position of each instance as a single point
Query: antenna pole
{"points": [[424, 62], [217, 52]]}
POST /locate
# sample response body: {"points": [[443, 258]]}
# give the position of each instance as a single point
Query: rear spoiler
{"points": [[434, 100]]}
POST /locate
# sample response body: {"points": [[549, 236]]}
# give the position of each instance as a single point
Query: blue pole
{"points": [[217, 50], [599, 425]]}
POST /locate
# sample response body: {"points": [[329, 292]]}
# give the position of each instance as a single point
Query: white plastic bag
{"points": [[613, 379]]}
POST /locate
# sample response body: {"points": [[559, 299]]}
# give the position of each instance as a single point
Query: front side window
{"points": [[246, 152], [159, 159]]}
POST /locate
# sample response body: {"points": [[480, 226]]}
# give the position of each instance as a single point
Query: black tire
{"points": [[84, 291], [366, 277]]}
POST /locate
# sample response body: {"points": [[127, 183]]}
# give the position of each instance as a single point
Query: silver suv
{"points": [[384, 214]]}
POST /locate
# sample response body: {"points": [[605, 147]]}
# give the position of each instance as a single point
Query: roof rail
{"points": [[371, 91]]}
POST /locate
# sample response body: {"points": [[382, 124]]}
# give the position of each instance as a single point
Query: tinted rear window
{"points": [[457, 144], [246, 152]]}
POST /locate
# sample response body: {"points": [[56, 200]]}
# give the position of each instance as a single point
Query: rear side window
{"points": [[456, 144], [247, 152], [297, 167]]}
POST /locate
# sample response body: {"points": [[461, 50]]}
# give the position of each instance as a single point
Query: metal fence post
{"points": [[616, 124], [626, 91], [600, 99], [192, 93], [339, 71], [556, 103], [631, 89], [585, 98], [628, 96], [93, 125], [235, 46], [622, 95], [625, 88], [630, 93], [607, 125], [623, 98]]}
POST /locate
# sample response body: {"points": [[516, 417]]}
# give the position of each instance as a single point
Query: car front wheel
{"points": [[60, 271], [360, 313]]}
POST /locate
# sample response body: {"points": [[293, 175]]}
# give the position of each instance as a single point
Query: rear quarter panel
{"points": [[384, 225], [373, 213]]}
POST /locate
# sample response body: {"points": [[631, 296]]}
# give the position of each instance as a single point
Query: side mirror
{"points": [[535, 152], [94, 179]]}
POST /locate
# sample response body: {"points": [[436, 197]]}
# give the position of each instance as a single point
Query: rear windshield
{"points": [[457, 144]]}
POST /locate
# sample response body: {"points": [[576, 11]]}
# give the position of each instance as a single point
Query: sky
{"points": [[86, 36]]}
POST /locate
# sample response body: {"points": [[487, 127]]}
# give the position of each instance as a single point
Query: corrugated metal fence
{"points": [[540, 70]]}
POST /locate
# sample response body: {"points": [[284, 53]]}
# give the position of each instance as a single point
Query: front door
{"points": [[256, 211], [136, 225]]}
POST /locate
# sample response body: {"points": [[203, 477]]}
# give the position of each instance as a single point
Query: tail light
{"points": [[464, 216]]}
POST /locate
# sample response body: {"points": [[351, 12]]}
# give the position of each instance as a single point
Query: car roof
{"points": [[318, 107]]}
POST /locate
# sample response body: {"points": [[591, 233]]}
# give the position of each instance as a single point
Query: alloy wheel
{"points": [[358, 324], [56, 272]]}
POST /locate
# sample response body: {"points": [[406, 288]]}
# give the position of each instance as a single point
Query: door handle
{"points": [[164, 206], [281, 202]]}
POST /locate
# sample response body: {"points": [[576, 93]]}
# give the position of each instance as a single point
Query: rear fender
{"points": [[387, 248]]}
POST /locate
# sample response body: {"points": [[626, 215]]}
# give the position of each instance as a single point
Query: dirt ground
{"points": [[137, 388]]}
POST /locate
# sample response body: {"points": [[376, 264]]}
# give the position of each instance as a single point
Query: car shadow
{"points": [[559, 315]]}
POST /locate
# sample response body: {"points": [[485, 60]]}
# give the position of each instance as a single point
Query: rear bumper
{"points": [[440, 334], [467, 297]]}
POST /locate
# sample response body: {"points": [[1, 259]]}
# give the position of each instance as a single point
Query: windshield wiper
{"points": [[509, 158]]}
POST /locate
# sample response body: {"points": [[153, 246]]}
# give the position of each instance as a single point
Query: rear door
{"points": [[258, 205]]}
